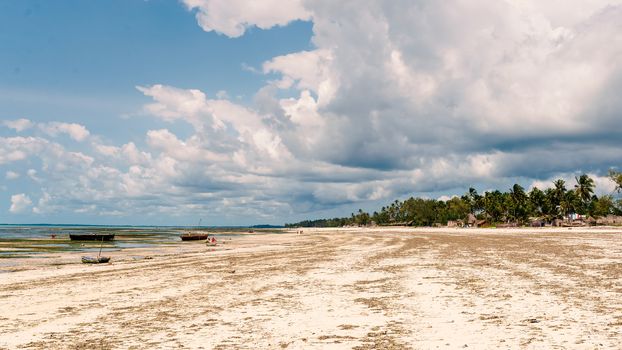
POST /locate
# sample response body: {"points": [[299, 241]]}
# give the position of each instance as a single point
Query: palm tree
{"points": [[560, 187], [493, 205], [393, 211], [537, 201], [549, 206], [518, 202], [473, 199], [568, 204], [558, 194], [584, 190], [584, 187]]}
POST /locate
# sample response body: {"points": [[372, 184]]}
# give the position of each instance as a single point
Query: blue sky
{"points": [[81, 61], [163, 112]]}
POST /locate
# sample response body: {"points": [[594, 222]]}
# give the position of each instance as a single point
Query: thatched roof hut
{"points": [[471, 220], [610, 220], [481, 223]]}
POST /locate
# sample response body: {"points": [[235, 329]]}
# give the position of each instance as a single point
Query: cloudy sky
{"points": [[240, 112]]}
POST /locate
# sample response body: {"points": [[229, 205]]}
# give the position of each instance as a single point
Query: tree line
{"points": [[515, 206]]}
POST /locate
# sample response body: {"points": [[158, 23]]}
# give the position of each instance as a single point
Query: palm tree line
{"points": [[516, 206]]}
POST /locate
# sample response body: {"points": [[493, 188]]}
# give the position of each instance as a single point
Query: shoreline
{"points": [[174, 247]]}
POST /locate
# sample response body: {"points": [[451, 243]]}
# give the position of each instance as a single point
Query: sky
{"points": [[239, 112]]}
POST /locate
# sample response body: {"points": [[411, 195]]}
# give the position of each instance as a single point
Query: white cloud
{"points": [[128, 153], [19, 203], [13, 149], [603, 185], [32, 173], [175, 104], [222, 127], [107, 150], [222, 94], [563, 13], [233, 17], [18, 124], [249, 68], [171, 145], [75, 131], [446, 198], [309, 68], [12, 175], [43, 205]]}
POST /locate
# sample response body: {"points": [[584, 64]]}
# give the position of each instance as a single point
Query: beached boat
{"points": [[193, 236], [95, 259], [91, 236]]}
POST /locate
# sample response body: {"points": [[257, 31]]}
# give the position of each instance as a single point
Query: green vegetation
{"points": [[516, 206], [616, 177]]}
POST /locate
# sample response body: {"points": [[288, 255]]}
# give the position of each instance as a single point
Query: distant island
{"points": [[266, 226], [516, 207]]}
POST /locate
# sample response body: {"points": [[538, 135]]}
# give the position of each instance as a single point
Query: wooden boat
{"points": [[99, 259], [92, 237], [193, 236], [95, 259]]}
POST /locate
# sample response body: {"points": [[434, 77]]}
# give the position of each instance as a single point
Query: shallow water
{"points": [[41, 241]]}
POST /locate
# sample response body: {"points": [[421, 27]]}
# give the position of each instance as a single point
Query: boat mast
{"points": [[100, 248]]}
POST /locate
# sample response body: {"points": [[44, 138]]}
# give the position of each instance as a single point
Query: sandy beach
{"points": [[390, 288]]}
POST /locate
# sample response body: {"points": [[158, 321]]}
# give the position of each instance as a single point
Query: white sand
{"points": [[393, 288]]}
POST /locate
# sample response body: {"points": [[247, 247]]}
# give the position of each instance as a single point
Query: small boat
{"points": [[193, 236], [99, 259], [95, 259], [92, 237]]}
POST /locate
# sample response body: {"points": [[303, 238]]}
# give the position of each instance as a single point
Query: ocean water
{"points": [[39, 240]]}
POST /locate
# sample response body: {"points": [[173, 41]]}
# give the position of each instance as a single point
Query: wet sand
{"points": [[392, 288]]}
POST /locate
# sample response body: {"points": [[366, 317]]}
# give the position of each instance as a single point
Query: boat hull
{"points": [[193, 236], [95, 260], [92, 237]]}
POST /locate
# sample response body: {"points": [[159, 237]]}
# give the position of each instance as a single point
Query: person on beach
{"points": [[211, 242]]}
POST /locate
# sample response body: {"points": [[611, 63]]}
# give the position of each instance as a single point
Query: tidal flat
{"points": [[22, 247], [349, 288]]}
